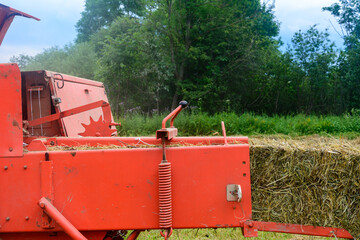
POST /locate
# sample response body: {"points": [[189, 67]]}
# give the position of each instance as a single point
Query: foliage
{"points": [[78, 60], [219, 55], [202, 124], [314, 56], [347, 13], [131, 65], [101, 13]]}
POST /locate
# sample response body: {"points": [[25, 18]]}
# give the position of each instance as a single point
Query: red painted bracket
{"points": [[46, 186], [251, 229], [36, 145], [171, 132]]}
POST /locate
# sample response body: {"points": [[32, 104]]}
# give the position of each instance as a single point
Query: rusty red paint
{"points": [[11, 113]]}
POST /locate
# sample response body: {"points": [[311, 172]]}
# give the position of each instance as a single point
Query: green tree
{"points": [[132, 65], [101, 13], [214, 47], [315, 56], [347, 13], [78, 60]]}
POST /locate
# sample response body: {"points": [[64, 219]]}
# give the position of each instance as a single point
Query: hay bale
{"points": [[310, 181]]}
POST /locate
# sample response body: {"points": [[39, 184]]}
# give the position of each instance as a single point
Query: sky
{"points": [[58, 19]]}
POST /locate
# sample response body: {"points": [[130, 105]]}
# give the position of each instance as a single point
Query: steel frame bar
{"points": [[133, 141], [73, 111], [134, 235], [60, 219], [253, 226], [173, 114]]}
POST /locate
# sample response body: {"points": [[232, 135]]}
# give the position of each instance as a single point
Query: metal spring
{"points": [[165, 201]]}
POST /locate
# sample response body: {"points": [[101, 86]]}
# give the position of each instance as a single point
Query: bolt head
{"points": [[7, 219], [42, 205], [27, 218], [25, 167], [11, 149], [6, 168]]}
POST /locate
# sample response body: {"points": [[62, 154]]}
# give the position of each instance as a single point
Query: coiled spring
{"points": [[165, 200]]}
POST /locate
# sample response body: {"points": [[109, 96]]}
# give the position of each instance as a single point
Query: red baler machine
{"points": [[52, 187]]}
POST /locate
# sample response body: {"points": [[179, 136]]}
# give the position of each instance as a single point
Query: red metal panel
{"points": [[10, 113], [118, 189], [98, 235], [75, 92]]}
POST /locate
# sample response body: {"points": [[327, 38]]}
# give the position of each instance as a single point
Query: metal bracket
{"points": [[250, 229], [46, 177], [233, 193]]}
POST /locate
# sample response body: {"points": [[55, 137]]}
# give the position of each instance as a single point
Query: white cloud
{"points": [[56, 28], [7, 51], [301, 14], [64, 9]]}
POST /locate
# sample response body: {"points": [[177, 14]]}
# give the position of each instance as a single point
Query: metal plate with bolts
{"points": [[233, 193]]}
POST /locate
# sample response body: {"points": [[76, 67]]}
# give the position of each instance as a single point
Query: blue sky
{"points": [[58, 19]]}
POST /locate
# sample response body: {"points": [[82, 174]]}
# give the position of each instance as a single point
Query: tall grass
{"points": [[202, 124]]}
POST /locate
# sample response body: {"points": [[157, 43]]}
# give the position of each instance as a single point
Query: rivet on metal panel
{"points": [[27, 218], [25, 167], [42, 205], [251, 224], [7, 219], [11, 149], [6, 168], [52, 143]]}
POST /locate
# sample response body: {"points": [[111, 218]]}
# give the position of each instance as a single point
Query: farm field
{"points": [[247, 124], [223, 234]]}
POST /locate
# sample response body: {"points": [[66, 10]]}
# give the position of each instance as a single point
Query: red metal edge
{"points": [[11, 141], [36, 145], [7, 15], [133, 141], [69, 78], [254, 226], [13, 10]]}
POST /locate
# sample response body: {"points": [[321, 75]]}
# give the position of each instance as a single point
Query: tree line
{"points": [[221, 56]]}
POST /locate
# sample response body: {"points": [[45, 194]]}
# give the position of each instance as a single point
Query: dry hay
{"points": [[309, 181]]}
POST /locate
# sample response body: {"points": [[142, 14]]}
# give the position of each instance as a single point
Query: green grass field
{"points": [[248, 124], [222, 233]]}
